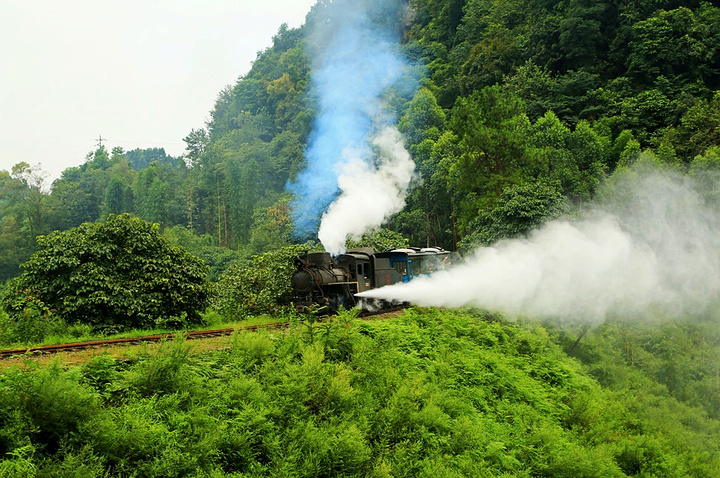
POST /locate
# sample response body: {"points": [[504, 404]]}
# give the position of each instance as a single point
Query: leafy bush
{"points": [[43, 406], [217, 258], [260, 285], [121, 273], [518, 211], [20, 464], [30, 319], [429, 393], [380, 240], [164, 372]]}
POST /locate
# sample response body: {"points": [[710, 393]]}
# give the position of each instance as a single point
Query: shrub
{"points": [[121, 273], [44, 406], [260, 285], [20, 464], [164, 372]]}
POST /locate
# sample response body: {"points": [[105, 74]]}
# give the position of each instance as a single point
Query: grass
{"points": [[427, 393], [84, 333]]}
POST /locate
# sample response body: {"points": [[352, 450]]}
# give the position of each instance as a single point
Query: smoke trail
{"points": [[370, 194], [654, 243], [355, 61]]}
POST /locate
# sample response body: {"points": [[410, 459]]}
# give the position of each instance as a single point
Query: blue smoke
{"points": [[355, 62]]}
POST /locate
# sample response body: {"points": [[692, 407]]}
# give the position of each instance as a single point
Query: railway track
{"points": [[198, 334]]}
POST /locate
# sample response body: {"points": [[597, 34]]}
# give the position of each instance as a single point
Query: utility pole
{"points": [[100, 141]]}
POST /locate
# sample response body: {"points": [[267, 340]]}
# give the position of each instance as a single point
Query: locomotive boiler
{"points": [[331, 283]]}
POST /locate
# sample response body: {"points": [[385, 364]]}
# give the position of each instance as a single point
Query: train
{"points": [[329, 284]]}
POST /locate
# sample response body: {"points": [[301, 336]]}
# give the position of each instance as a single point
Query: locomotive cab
{"points": [[358, 263], [427, 260]]}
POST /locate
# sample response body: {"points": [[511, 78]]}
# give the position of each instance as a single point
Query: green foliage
{"points": [[519, 210], [272, 227], [705, 171], [423, 120], [429, 393], [118, 197], [504, 160], [20, 464], [258, 285], [381, 240], [526, 107], [491, 130], [163, 373], [699, 128], [217, 258], [140, 159], [121, 274], [196, 142], [23, 214], [43, 407], [511, 94], [675, 43], [30, 320], [574, 158]]}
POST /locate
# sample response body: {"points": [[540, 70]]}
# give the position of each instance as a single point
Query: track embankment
{"points": [[29, 352], [102, 346]]}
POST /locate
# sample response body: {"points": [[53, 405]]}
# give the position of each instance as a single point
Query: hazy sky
{"points": [[140, 73]]}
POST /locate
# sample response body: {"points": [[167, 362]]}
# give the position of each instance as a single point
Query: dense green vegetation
{"points": [[524, 108], [427, 394], [117, 274], [523, 112]]}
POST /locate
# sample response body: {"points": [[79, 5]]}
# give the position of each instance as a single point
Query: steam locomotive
{"points": [[327, 283]]}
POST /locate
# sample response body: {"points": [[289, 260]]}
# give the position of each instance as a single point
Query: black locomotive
{"points": [[331, 283]]}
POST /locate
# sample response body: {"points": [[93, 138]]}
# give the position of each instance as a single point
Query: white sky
{"points": [[141, 73]]}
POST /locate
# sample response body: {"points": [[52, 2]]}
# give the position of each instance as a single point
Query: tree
{"points": [[142, 158], [24, 192], [15, 247], [381, 240], [121, 273], [705, 171], [583, 37], [78, 194], [97, 159], [423, 120], [575, 159], [272, 227], [676, 44], [492, 135], [118, 198], [520, 209], [217, 258], [196, 141], [699, 128], [23, 215]]}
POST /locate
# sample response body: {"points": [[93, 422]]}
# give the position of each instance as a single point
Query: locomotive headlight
{"points": [[302, 281]]}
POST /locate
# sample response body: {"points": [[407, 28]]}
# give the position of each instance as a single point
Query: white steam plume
{"points": [[655, 243], [370, 194], [355, 50]]}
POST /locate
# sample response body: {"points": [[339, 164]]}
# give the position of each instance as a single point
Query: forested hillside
{"points": [[514, 113], [523, 109]]}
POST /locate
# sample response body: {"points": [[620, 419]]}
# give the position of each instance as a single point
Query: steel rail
{"points": [[197, 334]]}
